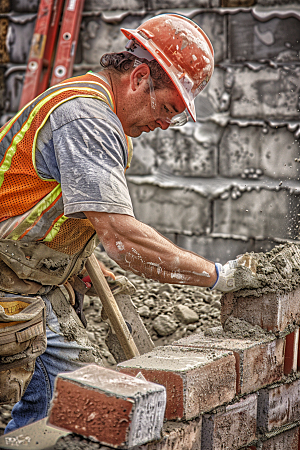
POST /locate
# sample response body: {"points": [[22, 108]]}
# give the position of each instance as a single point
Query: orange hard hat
{"points": [[182, 49]]}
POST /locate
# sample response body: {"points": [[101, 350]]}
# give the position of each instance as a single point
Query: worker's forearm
{"points": [[139, 248]]}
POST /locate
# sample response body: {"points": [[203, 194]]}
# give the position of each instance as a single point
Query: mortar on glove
{"points": [[237, 274]]}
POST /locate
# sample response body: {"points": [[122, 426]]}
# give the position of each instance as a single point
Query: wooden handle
{"points": [[111, 308]]}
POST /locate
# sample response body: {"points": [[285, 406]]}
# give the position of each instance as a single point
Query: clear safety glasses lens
{"points": [[180, 119], [177, 121]]}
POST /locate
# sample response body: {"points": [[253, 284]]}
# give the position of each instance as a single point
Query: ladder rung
{"points": [[67, 42], [41, 50]]}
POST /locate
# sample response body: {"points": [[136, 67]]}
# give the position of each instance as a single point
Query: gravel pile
{"points": [[169, 313]]}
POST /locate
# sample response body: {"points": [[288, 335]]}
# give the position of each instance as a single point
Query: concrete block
{"points": [[196, 380], [190, 151], [24, 6], [5, 6], [266, 93], [278, 406], [98, 36], [179, 436], [170, 210], [273, 2], [180, 4], [279, 151], [18, 42], [231, 428], [235, 3], [215, 249], [239, 149], [4, 55], [214, 25], [214, 99], [271, 150], [108, 5], [144, 154], [254, 40], [256, 211], [288, 440], [291, 352], [14, 77], [259, 362], [272, 312], [113, 408], [2, 89]]}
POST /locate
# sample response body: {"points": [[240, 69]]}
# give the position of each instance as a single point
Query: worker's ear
{"points": [[139, 77]]}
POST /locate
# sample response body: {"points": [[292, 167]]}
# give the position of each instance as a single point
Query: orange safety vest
{"points": [[22, 189]]}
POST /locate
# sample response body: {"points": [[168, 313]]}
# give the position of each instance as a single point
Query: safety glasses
{"points": [[174, 121]]}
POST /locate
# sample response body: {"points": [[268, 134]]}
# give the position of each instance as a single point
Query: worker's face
{"points": [[139, 116]]}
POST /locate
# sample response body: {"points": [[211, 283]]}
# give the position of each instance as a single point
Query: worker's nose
{"points": [[163, 124]]}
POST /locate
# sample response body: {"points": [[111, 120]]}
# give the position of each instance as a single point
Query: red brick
{"points": [[288, 440], [179, 436], [114, 408], [196, 380], [232, 427], [279, 405], [272, 312], [258, 362], [291, 352]]}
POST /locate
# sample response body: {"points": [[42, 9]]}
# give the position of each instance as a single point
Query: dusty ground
{"points": [[160, 306]]}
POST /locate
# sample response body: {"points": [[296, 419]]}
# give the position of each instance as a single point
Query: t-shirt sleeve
{"points": [[91, 153]]}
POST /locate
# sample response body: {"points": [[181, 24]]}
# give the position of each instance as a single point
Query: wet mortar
{"points": [[277, 271]]}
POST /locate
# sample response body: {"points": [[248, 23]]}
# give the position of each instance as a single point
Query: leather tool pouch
{"points": [[22, 340]]}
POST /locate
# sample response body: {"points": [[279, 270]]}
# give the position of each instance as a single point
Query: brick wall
{"points": [[230, 182], [243, 383], [235, 387]]}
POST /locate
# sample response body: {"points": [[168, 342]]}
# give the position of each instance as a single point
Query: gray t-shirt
{"points": [[83, 146]]}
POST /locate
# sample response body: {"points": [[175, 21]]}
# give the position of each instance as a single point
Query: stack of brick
{"points": [[232, 388]]}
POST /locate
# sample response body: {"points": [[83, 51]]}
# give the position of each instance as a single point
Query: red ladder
{"points": [[41, 55], [67, 42]]}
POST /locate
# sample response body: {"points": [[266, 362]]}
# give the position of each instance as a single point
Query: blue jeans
{"points": [[61, 355]]}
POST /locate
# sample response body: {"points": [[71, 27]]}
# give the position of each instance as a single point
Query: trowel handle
{"points": [[111, 308]]}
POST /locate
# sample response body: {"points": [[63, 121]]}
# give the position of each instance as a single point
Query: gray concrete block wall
{"points": [[230, 182]]}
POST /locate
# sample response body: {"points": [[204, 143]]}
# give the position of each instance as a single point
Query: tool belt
{"points": [[22, 340]]}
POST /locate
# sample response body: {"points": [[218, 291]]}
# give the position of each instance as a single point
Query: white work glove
{"points": [[237, 274]]}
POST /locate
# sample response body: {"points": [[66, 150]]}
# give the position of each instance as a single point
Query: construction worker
{"points": [[63, 189]]}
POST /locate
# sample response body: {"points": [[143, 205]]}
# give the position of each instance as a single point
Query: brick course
{"points": [[272, 312], [288, 440], [258, 362], [179, 436], [196, 380], [232, 427], [279, 405]]}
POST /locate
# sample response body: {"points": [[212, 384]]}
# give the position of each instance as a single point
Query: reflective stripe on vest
{"points": [[21, 188]]}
